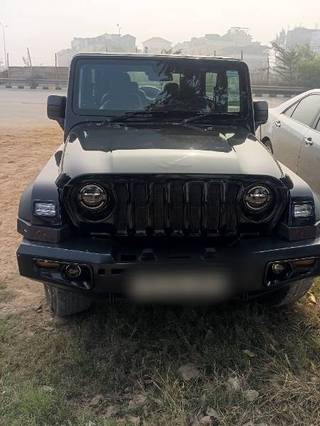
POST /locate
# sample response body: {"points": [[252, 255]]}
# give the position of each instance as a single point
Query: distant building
{"points": [[64, 57], [236, 43], [114, 43], [303, 36], [299, 36], [156, 45], [105, 43]]}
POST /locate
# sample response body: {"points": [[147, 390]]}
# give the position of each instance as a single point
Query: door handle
{"points": [[308, 141], [277, 123]]}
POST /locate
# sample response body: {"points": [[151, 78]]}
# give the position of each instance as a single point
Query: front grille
{"points": [[168, 206], [175, 207]]}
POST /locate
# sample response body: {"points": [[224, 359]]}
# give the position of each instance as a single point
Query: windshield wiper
{"points": [[128, 115], [199, 116]]}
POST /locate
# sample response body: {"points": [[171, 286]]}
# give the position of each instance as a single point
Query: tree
{"points": [[299, 65], [309, 72], [286, 63]]}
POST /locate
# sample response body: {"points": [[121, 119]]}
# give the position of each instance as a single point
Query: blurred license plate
{"points": [[178, 286]]}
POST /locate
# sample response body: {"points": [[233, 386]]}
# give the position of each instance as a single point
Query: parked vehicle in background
{"points": [[292, 133], [162, 192]]}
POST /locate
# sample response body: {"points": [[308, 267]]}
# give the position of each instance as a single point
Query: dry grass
{"points": [[121, 364]]}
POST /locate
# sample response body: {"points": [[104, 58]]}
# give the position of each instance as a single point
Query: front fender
{"points": [[299, 188], [43, 188], [301, 191]]}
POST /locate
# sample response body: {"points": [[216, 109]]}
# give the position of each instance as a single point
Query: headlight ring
{"points": [[257, 198], [93, 197]]}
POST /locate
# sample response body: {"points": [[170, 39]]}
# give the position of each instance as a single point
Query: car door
{"points": [[293, 127], [286, 137], [309, 162]]}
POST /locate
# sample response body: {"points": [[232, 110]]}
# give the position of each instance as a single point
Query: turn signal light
{"points": [[304, 263], [46, 264]]}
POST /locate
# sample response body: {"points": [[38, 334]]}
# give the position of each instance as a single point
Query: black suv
{"points": [[162, 192]]}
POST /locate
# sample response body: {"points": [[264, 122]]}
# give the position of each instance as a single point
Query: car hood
{"points": [[101, 149]]}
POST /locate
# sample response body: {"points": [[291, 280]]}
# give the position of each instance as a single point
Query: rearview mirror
{"points": [[260, 112], [56, 108]]}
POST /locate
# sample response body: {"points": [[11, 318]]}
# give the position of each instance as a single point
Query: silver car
{"points": [[292, 133]]}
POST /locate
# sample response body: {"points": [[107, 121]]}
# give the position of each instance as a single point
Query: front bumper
{"points": [[108, 264]]}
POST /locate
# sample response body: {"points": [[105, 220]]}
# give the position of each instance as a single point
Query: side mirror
{"points": [[260, 112], [56, 108]]}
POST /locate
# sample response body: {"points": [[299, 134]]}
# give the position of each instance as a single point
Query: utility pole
{"points": [[119, 29], [4, 43], [268, 70], [29, 57]]}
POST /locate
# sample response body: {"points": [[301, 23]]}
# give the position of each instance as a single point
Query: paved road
{"points": [[24, 107]]}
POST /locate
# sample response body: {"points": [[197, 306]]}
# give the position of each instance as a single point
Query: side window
{"points": [[211, 79], [307, 110], [233, 91], [224, 89]]}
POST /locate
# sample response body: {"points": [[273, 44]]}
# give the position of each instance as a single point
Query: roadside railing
{"points": [[45, 84], [284, 91]]}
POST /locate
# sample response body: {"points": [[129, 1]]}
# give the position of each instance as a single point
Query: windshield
{"points": [[175, 87]]}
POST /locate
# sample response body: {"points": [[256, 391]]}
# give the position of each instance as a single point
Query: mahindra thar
{"points": [[161, 192]]}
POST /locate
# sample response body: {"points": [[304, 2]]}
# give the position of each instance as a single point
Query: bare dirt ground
{"points": [[24, 151]]}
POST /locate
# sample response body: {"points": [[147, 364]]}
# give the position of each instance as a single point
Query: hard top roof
{"points": [[154, 56]]}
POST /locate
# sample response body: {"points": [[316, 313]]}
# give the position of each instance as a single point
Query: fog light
{"points": [[278, 268], [73, 271]]}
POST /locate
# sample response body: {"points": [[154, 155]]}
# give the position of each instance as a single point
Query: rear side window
{"points": [[230, 85], [307, 110]]}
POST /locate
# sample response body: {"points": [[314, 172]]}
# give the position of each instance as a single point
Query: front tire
{"points": [[63, 303], [288, 295]]}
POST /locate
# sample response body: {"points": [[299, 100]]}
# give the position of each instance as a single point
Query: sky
{"points": [[46, 26]]}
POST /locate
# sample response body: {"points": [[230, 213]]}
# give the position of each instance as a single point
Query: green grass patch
{"points": [[31, 405], [121, 363]]}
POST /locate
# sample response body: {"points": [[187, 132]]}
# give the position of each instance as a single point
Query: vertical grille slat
{"points": [[213, 207], [230, 212], [140, 207], [158, 207], [195, 194], [176, 206], [121, 218]]}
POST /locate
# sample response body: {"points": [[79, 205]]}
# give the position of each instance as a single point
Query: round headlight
{"points": [[93, 196], [258, 198]]}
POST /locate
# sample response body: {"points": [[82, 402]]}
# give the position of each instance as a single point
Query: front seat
{"points": [[123, 95]]}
